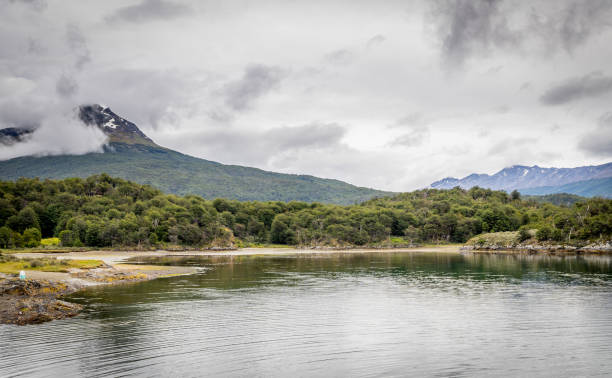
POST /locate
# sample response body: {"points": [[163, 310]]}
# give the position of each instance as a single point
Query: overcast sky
{"points": [[386, 94]]}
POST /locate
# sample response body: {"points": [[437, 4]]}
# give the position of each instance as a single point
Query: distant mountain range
{"points": [[585, 181], [131, 155]]}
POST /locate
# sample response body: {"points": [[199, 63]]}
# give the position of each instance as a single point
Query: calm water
{"points": [[410, 314]]}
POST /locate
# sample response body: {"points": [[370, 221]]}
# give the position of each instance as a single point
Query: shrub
{"points": [[67, 238], [557, 235], [544, 233], [50, 241], [31, 237], [523, 234]]}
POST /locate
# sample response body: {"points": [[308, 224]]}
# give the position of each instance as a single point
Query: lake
{"points": [[340, 314]]}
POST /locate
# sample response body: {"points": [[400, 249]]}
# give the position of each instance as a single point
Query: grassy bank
{"points": [[13, 265]]}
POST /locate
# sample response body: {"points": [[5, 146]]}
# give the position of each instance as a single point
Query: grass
{"points": [[13, 265], [507, 238]]}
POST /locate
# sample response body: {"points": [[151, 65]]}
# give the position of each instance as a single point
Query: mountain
{"points": [[131, 155], [119, 130], [589, 188], [12, 135], [522, 177]]}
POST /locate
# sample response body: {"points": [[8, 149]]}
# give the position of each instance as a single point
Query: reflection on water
{"points": [[371, 314]]}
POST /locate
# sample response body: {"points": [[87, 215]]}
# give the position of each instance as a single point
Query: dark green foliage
{"points": [[523, 234], [559, 199], [27, 218], [102, 211], [544, 233], [6, 237], [31, 237], [68, 238]]}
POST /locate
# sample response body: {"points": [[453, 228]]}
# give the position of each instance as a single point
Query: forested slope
{"points": [[101, 211]]}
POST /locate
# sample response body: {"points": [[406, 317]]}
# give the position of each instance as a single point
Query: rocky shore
{"points": [[38, 299], [601, 248], [31, 302]]}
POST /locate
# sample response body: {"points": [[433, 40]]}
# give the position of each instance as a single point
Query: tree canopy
{"points": [[102, 211]]}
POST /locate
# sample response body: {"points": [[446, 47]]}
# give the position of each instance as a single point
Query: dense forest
{"points": [[102, 211]]}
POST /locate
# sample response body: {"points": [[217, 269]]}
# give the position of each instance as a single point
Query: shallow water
{"points": [[377, 314]]}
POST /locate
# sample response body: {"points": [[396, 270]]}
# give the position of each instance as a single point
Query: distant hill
{"points": [[588, 188], [551, 180], [132, 155], [559, 199]]}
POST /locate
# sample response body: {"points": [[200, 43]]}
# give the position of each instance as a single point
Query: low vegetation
{"points": [[12, 265], [102, 211]]}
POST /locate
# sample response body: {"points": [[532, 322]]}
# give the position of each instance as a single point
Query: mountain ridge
{"points": [[522, 177], [131, 155]]}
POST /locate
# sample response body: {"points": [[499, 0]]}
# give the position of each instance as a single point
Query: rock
{"points": [[33, 302]]}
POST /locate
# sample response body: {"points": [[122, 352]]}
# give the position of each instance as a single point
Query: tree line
{"points": [[102, 211]]}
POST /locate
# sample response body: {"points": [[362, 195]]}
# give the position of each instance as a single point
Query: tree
{"points": [[516, 195], [26, 218], [68, 238], [544, 233], [31, 237], [6, 237]]}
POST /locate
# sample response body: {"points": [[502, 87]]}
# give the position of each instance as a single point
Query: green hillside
{"points": [[173, 172], [589, 188], [559, 199]]}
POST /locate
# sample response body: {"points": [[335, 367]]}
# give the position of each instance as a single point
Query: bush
{"points": [[50, 241], [6, 237], [523, 234], [544, 233], [67, 238], [31, 237], [557, 235]]}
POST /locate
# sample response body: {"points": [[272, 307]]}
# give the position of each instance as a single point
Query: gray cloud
{"points": [[184, 84], [77, 43], [411, 120], [66, 86], [599, 141], [511, 144], [261, 147], [419, 131], [38, 5], [257, 80], [591, 85], [573, 24], [375, 41], [311, 135], [147, 97], [149, 10], [340, 57], [468, 27], [414, 138]]}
